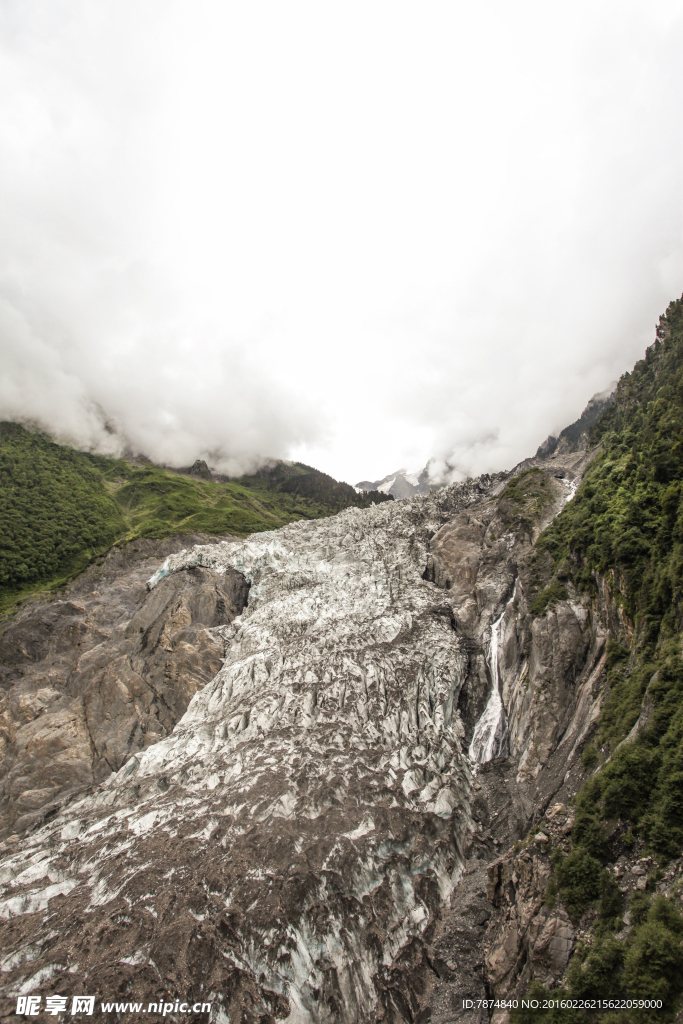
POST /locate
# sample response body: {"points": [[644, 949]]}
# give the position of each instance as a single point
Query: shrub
{"points": [[610, 901], [653, 967], [595, 971], [589, 832], [639, 906], [627, 781], [589, 756], [579, 879], [551, 595]]}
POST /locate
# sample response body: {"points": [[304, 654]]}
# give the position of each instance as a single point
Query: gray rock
{"points": [[102, 672], [304, 837]]}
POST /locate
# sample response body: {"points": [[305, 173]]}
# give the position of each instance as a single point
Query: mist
{"points": [[358, 235]]}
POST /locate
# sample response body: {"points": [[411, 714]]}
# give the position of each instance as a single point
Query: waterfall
{"points": [[572, 487], [489, 731]]}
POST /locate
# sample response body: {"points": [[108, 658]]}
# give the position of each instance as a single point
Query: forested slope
{"points": [[625, 528], [59, 508]]}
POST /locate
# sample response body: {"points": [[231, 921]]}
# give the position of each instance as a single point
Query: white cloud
{"points": [[359, 234]]}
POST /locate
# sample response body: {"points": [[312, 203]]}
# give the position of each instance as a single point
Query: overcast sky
{"points": [[355, 233]]}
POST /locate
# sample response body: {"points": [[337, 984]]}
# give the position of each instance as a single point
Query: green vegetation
{"points": [[571, 438], [589, 757], [625, 526], [626, 521], [548, 597], [59, 508], [524, 500], [648, 965], [578, 878]]}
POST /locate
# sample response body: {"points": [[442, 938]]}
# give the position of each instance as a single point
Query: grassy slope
{"points": [[59, 508], [626, 525]]}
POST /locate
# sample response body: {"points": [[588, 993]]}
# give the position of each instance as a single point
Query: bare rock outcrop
{"points": [[548, 668], [102, 672], [527, 938], [550, 672]]}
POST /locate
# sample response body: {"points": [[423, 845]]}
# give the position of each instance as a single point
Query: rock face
{"points": [[311, 841], [93, 677], [551, 675], [532, 680], [527, 938], [575, 436]]}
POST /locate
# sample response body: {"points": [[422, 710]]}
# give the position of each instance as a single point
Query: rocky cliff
{"points": [[104, 671], [274, 809]]}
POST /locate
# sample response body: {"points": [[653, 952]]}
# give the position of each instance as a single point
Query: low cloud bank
{"points": [[361, 237]]}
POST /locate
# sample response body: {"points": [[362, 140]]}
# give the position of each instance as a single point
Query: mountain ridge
{"points": [[402, 484]]}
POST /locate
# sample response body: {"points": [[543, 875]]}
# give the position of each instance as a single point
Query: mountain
{"points": [[394, 764], [577, 433], [399, 484], [60, 509]]}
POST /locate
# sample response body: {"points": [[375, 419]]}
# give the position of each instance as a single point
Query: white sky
{"points": [[360, 233]]}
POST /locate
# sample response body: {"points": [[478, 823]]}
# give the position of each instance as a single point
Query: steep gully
{"points": [[310, 841], [489, 732]]}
